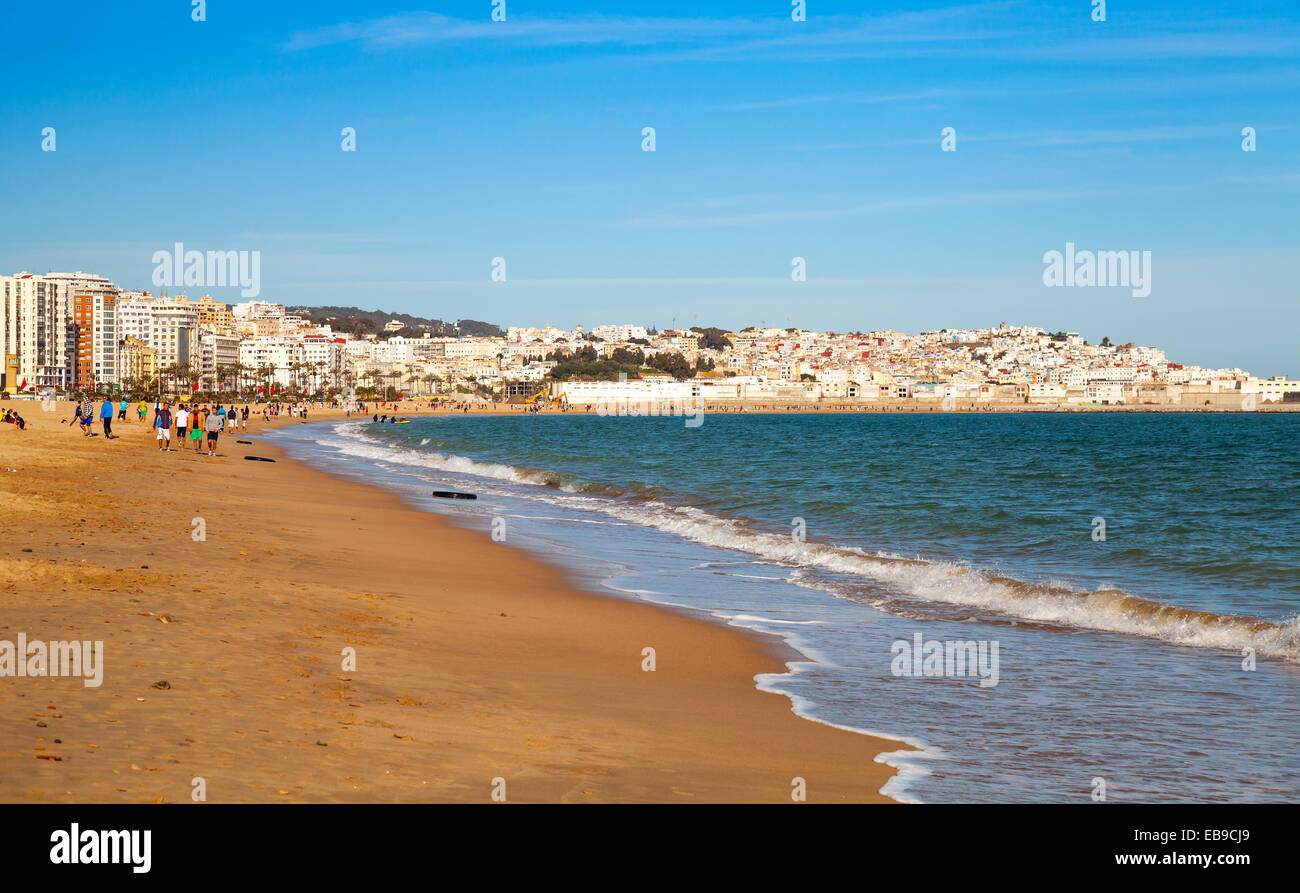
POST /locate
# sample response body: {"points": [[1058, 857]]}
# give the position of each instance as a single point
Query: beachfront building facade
{"points": [[174, 334], [269, 361], [635, 397], [217, 357], [94, 319], [170, 327], [37, 336], [137, 362], [95, 333]]}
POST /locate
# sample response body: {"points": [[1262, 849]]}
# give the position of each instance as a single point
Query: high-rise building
{"points": [[37, 337], [218, 354], [94, 322], [211, 315], [174, 334], [136, 361]]}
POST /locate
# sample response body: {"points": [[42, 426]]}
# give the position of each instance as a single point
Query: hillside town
{"points": [[66, 333]]}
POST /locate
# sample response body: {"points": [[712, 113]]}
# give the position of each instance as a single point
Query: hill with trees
{"points": [[356, 321]]}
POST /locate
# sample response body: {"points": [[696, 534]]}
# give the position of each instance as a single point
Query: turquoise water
{"points": [[1163, 658]]}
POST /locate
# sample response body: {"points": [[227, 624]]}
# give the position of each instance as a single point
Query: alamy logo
{"points": [[1101, 269], [952, 659], [77, 847], [55, 658], [210, 269]]}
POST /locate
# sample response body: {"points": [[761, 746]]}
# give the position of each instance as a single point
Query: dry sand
{"points": [[473, 661]]}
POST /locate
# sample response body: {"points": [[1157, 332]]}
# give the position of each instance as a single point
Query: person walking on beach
{"points": [[182, 422], [196, 430], [243, 419], [144, 410], [121, 412], [162, 421], [106, 418], [86, 415], [216, 421]]}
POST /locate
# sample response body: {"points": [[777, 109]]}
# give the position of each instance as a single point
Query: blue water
{"points": [[1163, 658]]}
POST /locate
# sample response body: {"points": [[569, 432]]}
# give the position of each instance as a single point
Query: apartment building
{"points": [[217, 353], [136, 360], [37, 338]]}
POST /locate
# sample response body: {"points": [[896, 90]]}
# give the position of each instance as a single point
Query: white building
{"points": [[268, 359], [628, 394], [37, 338], [93, 301], [1271, 390], [217, 352], [620, 333]]}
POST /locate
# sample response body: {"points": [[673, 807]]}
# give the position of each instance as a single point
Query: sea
{"points": [[1049, 607]]}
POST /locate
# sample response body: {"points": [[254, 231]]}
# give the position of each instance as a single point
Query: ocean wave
{"points": [[936, 581]]}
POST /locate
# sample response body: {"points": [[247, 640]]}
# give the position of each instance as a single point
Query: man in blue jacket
{"points": [[106, 416]]}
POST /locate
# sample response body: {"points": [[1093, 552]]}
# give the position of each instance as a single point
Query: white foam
{"points": [[934, 581], [908, 764]]}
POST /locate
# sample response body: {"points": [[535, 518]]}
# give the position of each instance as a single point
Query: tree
{"points": [[265, 374], [714, 338]]}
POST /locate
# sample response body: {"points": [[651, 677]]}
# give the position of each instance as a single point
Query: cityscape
{"points": [[885, 405], [64, 333]]}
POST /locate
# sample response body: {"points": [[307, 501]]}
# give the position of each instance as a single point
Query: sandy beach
{"points": [[474, 662]]}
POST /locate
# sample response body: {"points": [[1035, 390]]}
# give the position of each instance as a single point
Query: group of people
{"points": [[13, 418], [296, 410], [86, 413], [196, 425], [191, 423]]}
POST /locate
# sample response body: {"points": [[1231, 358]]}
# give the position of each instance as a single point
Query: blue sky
{"points": [[774, 139]]}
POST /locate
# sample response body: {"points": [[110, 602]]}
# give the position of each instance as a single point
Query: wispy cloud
{"points": [[791, 215], [848, 99], [427, 28], [700, 38], [976, 30], [1268, 79], [1224, 131], [347, 238], [521, 283]]}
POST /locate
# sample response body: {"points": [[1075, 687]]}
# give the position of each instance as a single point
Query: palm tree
{"points": [[168, 375], [237, 370], [264, 372], [370, 375]]}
